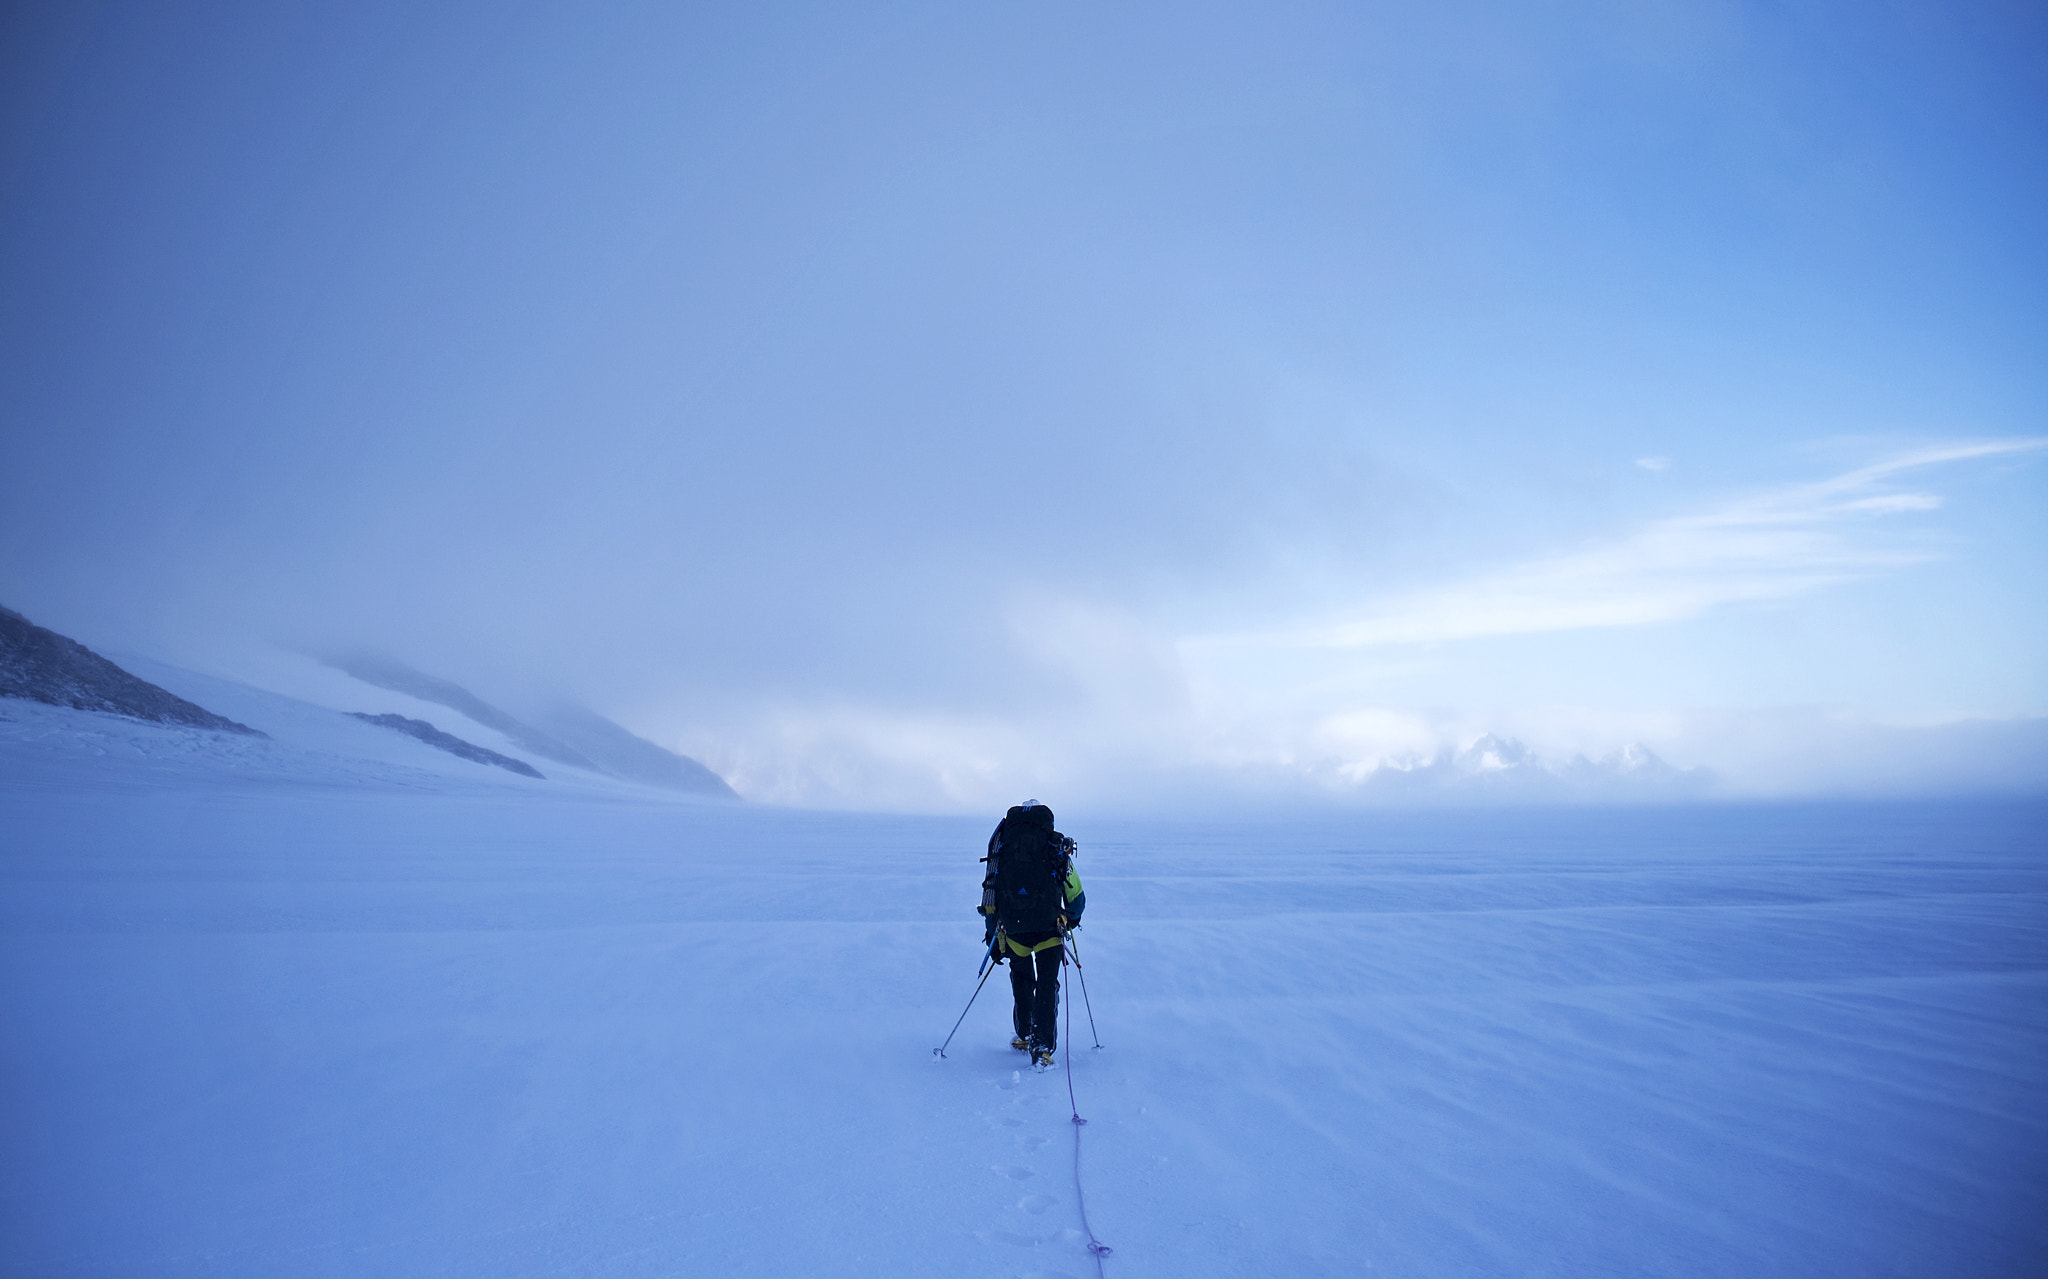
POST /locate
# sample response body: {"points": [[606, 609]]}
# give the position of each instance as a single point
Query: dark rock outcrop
{"points": [[454, 745], [40, 665]]}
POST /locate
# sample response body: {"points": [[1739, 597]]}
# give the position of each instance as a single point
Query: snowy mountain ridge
{"points": [[1506, 769], [574, 736], [164, 720]]}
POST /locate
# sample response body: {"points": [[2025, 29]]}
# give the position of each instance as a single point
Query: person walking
{"points": [[1030, 897]]}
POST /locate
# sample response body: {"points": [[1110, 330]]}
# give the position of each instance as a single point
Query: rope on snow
{"points": [[1096, 1248]]}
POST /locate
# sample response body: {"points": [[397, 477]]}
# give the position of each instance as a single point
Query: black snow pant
{"points": [[1035, 982]]}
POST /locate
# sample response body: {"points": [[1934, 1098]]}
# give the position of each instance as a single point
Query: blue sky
{"points": [[928, 401]]}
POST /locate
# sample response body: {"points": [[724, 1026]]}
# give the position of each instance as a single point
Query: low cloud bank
{"points": [[1790, 753], [1156, 751], [893, 762]]}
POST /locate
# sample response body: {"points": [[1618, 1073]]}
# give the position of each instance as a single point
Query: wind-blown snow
{"points": [[267, 1020]]}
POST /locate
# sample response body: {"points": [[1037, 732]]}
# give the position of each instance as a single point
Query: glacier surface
{"points": [[338, 1004]]}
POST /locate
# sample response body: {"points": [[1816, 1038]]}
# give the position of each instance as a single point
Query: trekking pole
{"points": [[986, 969], [1085, 1001]]}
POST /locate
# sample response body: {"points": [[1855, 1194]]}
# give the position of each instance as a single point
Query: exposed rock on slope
{"points": [[454, 745], [40, 665]]}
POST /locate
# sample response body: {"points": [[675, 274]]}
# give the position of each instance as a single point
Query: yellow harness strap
{"points": [[1016, 949]]}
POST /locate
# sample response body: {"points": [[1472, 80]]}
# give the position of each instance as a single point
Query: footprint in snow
{"points": [[1035, 1204], [1015, 1173], [1013, 1123]]}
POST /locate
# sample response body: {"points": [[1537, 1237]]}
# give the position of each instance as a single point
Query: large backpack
{"points": [[1028, 870]]}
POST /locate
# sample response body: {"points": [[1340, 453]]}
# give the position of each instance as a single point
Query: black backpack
{"points": [[1027, 869]]}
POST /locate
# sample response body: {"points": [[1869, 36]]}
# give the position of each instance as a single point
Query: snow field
{"points": [[264, 1029]]}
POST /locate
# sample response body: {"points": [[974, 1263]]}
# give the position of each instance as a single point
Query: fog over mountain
{"points": [[1383, 760], [618, 752], [580, 738], [383, 672], [1495, 770], [926, 405]]}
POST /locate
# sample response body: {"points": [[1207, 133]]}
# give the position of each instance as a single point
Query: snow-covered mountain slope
{"points": [[494, 1026], [297, 744], [573, 735], [37, 664], [396, 677]]}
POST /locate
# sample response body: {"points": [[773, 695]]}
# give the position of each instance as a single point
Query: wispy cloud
{"points": [[1770, 545]]}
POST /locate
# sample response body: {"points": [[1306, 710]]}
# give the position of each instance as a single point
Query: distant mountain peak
{"points": [[1492, 754], [1507, 769]]}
